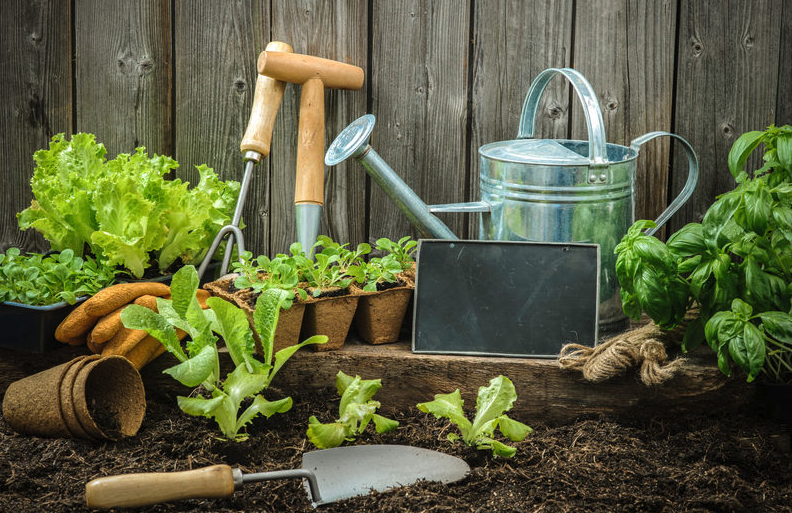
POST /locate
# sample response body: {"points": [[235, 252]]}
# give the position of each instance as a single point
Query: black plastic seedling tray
{"points": [[32, 328]]}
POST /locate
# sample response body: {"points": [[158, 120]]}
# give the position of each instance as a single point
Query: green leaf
{"points": [[184, 285], [747, 349], [498, 448], [384, 425], [241, 384], [742, 149], [343, 381], [758, 209], [265, 318], [784, 150], [513, 430], [326, 436], [694, 335], [284, 354], [261, 406], [138, 317], [778, 325], [688, 241], [359, 391], [197, 369], [199, 406], [716, 220], [448, 406], [232, 325], [493, 400]]}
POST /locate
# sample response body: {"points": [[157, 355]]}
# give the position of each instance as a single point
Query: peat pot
{"points": [[538, 190]]}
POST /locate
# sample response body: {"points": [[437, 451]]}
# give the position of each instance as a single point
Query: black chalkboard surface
{"points": [[504, 298]]}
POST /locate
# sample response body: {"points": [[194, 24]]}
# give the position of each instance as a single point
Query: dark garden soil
{"points": [[694, 463]]}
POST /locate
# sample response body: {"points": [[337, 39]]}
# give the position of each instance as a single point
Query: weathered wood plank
{"points": [[514, 42], [419, 95], [546, 394], [123, 74], [783, 102], [626, 51], [36, 103], [216, 47], [337, 31], [727, 81]]}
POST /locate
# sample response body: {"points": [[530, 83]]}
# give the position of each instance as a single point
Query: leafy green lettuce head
{"points": [[124, 210]]}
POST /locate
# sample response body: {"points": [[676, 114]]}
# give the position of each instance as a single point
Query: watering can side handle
{"points": [[588, 99], [687, 190]]}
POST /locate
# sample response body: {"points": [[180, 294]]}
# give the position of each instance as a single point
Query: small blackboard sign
{"points": [[504, 298]]}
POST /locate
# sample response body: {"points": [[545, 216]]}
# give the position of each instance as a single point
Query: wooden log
{"points": [[546, 394]]}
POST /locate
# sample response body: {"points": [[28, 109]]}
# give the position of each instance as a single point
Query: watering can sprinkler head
{"points": [[353, 141]]}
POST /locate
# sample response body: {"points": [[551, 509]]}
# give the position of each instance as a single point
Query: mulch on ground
{"points": [[693, 463]]}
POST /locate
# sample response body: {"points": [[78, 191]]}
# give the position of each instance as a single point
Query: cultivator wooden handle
{"points": [[266, 101], [135, 490]]}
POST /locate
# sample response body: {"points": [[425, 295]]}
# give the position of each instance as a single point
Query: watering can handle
{"points": [[687, 190], [596, 128]]}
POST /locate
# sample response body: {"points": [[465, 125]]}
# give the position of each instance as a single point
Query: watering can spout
{"points": [[353, 142]]}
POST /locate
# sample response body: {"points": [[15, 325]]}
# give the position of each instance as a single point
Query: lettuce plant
{"points": [[124, 210], [200, 365], [356, 410], [492, 401]]}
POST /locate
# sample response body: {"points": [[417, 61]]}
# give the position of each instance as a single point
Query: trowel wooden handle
{"points": [[309, 184], [266, 101], [133, 490]]}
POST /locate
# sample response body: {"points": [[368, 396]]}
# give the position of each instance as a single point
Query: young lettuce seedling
{"points": [[356, 410], [200, 364], [492, 401]]}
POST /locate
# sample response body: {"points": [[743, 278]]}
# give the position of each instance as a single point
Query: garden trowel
{"points": [[329, 475]]}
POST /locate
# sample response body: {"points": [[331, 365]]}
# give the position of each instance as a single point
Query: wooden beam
{"points": [[546, 394]]}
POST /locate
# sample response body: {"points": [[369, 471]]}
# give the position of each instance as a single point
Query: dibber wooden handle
{"points": [[266, 101], [133, 490], [309, 184]]}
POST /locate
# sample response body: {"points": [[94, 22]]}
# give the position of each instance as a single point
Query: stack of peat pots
{"points": [[90, 397]]}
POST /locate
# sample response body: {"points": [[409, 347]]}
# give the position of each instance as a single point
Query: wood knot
{"points": [[748, 42], [554, 111], [697, 48], [240, 85], [727, 129], [611, 104], [145, 66]]}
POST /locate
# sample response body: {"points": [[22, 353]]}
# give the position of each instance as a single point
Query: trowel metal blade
{"points": [[345, 472]]}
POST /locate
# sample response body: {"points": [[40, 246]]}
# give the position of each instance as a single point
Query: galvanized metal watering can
{"points": [[539, 190]]}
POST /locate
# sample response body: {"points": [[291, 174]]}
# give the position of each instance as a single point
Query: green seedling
{"points": [[356, 410], [40, 280], [492, 401], [200, 364]]}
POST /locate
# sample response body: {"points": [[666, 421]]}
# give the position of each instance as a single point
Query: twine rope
{"points": [[644, 346]]}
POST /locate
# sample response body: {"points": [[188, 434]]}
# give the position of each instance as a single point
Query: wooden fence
{"points": [[442, 78]]}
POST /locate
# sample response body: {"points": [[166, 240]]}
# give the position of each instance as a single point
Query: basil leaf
{"points": [[742, 149], [688, 241], [784, 150], [778, 325]]}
